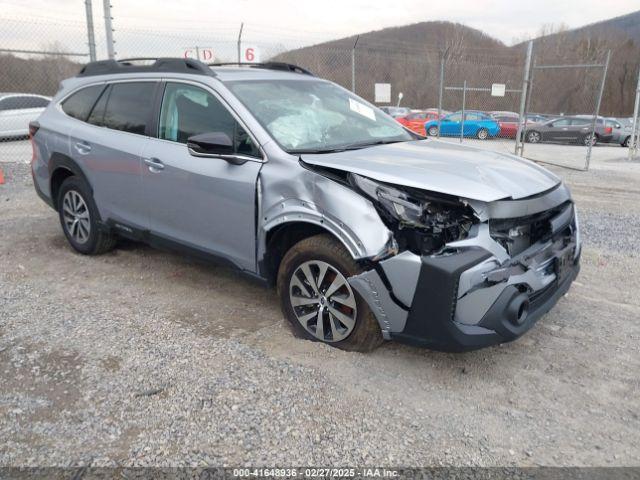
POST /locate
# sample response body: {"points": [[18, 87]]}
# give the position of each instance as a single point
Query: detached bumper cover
{"points": [[432, 323], [473, 297]]}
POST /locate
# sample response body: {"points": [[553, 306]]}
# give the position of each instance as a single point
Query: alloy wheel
{"points": [[323, 301], [76, 216], [534, 137]]}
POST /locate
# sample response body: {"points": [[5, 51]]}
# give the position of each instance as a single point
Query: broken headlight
{"points": [[422, 222]]}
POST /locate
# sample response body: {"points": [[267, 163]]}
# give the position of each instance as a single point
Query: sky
{"points": [[142, 25]]}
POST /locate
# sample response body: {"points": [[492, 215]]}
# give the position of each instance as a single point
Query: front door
{"points": [[202, 202], [452, 124]]}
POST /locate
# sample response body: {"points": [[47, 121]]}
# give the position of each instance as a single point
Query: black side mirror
{"points": [[214, 144]]}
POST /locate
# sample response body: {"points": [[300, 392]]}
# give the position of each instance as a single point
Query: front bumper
{"points": [[434, 320], [474, 297]]}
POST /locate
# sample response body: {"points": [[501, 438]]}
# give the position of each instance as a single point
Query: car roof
{"points": [[230, 74], [19, 94]]}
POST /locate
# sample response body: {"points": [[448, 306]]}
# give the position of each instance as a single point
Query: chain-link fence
{"points": [[494, 97]]}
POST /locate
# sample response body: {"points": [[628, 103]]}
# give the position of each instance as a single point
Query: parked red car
{"points": [[415, 121], [508, 122]]}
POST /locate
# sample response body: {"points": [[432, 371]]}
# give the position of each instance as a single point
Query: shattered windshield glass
{"points": [[316, 116]]}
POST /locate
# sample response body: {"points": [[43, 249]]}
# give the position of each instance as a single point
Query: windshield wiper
{"points": [[343, 148]]}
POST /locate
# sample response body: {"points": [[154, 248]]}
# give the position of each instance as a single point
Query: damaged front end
{"points": [[468, 274]]}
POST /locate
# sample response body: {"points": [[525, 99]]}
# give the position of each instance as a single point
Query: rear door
{"points": [[201, 202], [108, 146]]}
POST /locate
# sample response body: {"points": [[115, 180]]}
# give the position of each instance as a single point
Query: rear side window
{"points": [[18, 103], [129, 106], [35, 102], [80, 103], [580, 121], [96, 117]]}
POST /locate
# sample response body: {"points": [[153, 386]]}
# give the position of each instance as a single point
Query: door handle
{"points": [[154, 164], [82, 147]]}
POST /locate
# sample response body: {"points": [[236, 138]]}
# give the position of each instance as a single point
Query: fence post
{"points": [[440, 93], [90, 34], [240, 43], [595, 114], [464, 100], [523, 101], [108, 28], [353, 65], [633, 143]]}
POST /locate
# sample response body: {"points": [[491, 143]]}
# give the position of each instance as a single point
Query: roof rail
{"points": [[128, 65], [282, 66]]}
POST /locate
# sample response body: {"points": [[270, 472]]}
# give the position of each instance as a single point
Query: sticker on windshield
{"points": [[362, 109]]}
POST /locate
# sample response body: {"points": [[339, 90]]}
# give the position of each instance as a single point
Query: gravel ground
{"points": [[142, 357]]}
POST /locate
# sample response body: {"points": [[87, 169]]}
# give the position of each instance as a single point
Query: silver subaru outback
{"points": [[368, 231]]}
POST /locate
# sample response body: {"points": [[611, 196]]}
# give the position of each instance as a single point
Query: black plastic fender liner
{"points": [[434, 301]]}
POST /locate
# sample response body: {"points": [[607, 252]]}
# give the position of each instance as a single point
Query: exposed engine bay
{"points": [[422, 222]]}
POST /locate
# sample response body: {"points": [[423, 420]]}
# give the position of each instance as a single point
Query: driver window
{"points": [[188, 110], [456, 117]]}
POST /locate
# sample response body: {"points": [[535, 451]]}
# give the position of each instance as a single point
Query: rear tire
{"points": [[533, 136], [433, 131], [482, 134], [347, 321], [590, 139], [80, 219]]}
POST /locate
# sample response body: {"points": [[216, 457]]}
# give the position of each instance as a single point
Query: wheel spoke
{"points": [[337, 283], [309, 277], [295, 282], [320, 325], [344, 319], [334, 328], [306, 317], [348, 301], [323, 270], [298, 301]]}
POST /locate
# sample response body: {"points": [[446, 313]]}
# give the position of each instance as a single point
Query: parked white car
{"points": [[17, 110]]}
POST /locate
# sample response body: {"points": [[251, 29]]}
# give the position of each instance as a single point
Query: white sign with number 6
{"points": [[251, 55]]}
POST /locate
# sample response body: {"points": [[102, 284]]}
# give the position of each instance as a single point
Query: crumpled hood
{"points": [[443, 167]]}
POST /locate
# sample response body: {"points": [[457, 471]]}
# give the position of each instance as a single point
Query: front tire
{"points": [[80, 219], [626, 142], [433, 131], [482, 134], [319, 302]]}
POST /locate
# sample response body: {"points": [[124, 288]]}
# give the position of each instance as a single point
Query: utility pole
{"points": [[240, 43], [108, 28], [633, 142], [90, 33], [522, 121], [353, 65], [597, 112], [443, 58]]}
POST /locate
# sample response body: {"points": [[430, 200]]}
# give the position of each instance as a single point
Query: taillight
{"points": [[608, 130], [33, 129]]}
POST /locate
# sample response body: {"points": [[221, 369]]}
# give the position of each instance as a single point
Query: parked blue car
{"points": [[476, 124]]}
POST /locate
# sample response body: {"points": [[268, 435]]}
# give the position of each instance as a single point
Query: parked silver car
{"points": [[368, 231], [17, 110]]}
